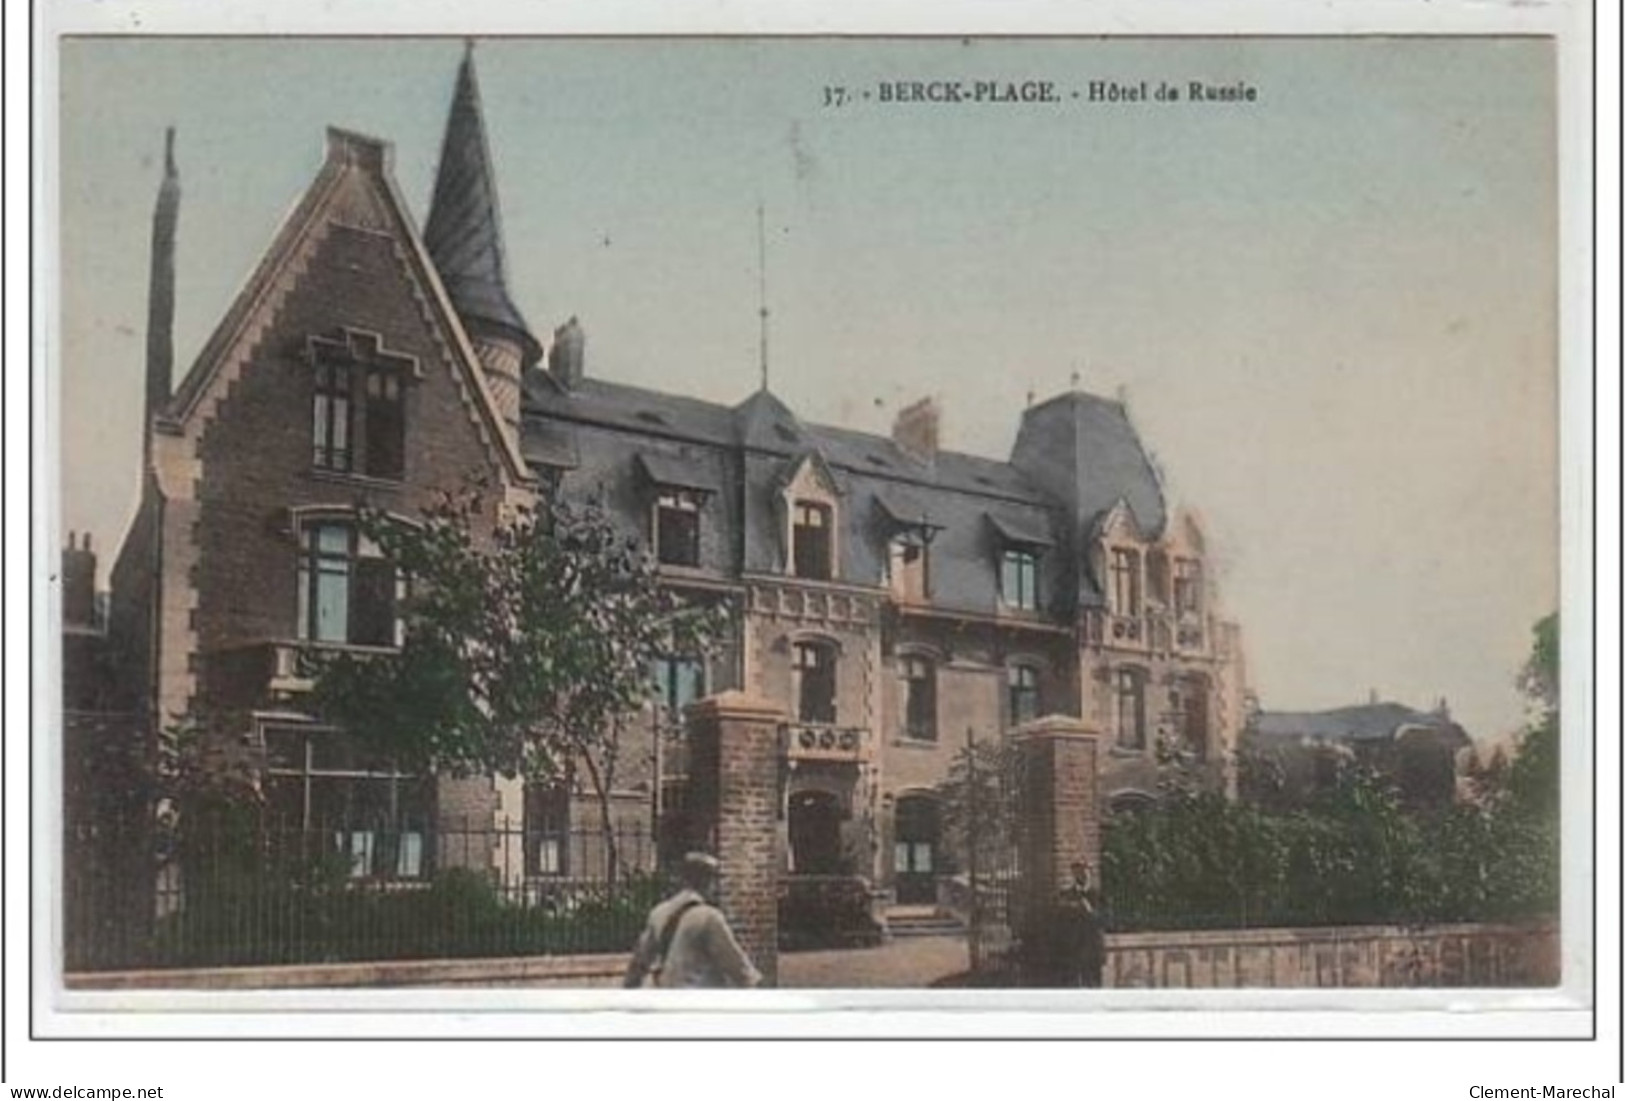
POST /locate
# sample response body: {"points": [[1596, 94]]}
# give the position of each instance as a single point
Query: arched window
{"points": [[814, 675], [919, 686]]}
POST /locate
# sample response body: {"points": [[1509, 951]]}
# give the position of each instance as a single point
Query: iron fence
{"points": [[351, 892]]}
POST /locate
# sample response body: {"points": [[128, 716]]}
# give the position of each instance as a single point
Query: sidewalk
{"points": [[905, 962]]}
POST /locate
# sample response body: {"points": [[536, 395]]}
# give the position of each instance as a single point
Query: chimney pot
{"points": [[917, 429], [568, 360]]}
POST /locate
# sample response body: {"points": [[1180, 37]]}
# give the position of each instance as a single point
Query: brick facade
{"points": [[735, 806]]}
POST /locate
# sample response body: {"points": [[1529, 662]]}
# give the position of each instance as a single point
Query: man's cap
{"points": [[700, 861]]}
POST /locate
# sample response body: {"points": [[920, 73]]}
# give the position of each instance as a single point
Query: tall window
{"points": [[677, 527], [1187, 586], [331, 430], [1018, 578], [1130, 708], [906, 566], [358, 420], [547, 827], [811, 536], [1125, 581], [1023, 685], [679, 681], [344, 595], [919, 677], [815, 682], [319, 787], [1188, 702]]}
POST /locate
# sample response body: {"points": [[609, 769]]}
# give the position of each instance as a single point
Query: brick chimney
{"points": [[78, 583], [568, 360], [916, 429]]}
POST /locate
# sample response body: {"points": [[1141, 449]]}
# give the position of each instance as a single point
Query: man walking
{"points": [[687, 941]]}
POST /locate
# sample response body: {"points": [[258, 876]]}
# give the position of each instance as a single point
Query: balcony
{"points": [[826, 742], [278, 670]]}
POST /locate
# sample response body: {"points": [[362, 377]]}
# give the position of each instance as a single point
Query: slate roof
{"points": [[975, 505], [1359, 723], [464, 233]]}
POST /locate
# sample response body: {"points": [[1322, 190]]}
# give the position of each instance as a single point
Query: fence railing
{"points": [[354, 892]]}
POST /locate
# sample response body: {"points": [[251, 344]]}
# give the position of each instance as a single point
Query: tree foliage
{"points": [[526, 643], [1354, 853]]}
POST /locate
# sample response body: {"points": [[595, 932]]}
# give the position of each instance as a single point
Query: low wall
{"points": [[1341, 956], [536, 972]]}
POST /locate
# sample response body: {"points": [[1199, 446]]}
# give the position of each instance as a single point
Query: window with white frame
{"points": [[347, 592], [547, 827], [358, 412], [320, 787]]}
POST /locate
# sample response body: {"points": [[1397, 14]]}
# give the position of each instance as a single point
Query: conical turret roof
{"points": [[464, 231]]}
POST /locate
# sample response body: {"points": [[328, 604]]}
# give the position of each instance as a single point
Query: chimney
{"points": [[568, 360], [1442, 708], [78, 583], [916, 429], [161, 286], [1372, 699]]}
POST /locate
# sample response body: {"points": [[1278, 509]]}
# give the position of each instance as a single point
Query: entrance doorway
{"points": [[815, 833], [918, 836]]}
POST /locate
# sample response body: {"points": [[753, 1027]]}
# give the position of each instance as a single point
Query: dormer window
{"points": [[810, 533], [1018, 578], [906, 568], [1124, 574], [1020, 542], [358, 407], [677, 527], [678, 486]]}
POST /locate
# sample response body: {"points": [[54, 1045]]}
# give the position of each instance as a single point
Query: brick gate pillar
{"points": [[734, 802], [1060, 801]]}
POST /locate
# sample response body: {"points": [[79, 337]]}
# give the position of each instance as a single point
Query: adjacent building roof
{"points": [[1359, 723]]}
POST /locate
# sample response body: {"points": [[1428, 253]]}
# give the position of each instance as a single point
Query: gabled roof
{"points": [[354, 186], [464, 231]]}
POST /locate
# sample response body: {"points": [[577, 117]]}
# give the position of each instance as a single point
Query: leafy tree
{"points": [[527, 644]]}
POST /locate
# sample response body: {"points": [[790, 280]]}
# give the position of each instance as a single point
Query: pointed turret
{"points": [[161, 288], [464, 238]]}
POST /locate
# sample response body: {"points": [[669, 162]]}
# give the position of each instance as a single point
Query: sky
{"points": [[1331, 311]]}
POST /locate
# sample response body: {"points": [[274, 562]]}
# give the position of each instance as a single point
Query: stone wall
{"points": [[1343, 956]]}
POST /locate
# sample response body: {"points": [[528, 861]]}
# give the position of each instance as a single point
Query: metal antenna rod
{"points": [[761, 283]]}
